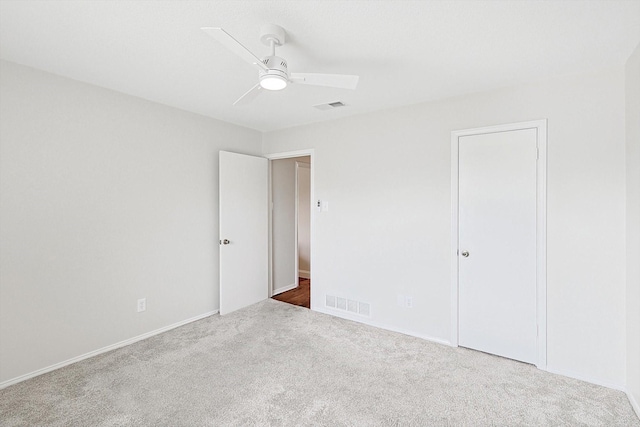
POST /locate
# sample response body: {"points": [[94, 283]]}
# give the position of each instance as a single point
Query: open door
{"points": [[244, 230]]}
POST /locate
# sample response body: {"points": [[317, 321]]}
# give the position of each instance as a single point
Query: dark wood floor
{"points": [[299, 296]]}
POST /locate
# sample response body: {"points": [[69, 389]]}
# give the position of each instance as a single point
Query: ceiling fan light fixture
{"points": [[273, 82]]}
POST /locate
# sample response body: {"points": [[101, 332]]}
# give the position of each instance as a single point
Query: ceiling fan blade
{"points": [[249, 95], [234, 46], [342, 81]]}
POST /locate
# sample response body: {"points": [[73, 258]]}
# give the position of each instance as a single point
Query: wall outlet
{"points": [[404, 301], [142, 304]]}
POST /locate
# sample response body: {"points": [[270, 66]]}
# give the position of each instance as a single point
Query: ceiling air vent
{"points": [[329, 106]]}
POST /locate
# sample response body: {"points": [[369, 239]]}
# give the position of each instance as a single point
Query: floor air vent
{"points": [[348, 305]]}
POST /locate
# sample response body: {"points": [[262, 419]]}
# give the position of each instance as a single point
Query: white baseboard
{"points": [[304, 274], [284, 289], [356, 318], [634, 404], [586, 378], [124, 343]]}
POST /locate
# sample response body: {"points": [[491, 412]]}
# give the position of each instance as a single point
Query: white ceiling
{"points": [[405, 52]]}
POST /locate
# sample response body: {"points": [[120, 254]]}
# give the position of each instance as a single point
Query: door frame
{"points": [[288, 155], [541, 228]]}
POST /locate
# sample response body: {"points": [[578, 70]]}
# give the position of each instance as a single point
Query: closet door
{"points": [[497, 243]]}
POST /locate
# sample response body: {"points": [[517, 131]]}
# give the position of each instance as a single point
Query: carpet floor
{"points": [[274, 364]]}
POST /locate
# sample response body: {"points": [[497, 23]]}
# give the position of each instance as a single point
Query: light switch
{"points": [[325, 206]]}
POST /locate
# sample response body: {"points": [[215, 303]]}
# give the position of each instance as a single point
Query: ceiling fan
{"points": [[273, 72]]}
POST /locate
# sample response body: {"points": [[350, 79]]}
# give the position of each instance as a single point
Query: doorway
{"points": [[498, 240], [246, 229], [291, 230]]}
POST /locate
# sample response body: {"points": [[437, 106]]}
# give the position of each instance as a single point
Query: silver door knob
{"points": [[225, 242], [465, 253]]}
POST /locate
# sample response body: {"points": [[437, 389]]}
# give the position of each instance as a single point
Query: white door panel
{"points": [[497, 227], [244, 223]]}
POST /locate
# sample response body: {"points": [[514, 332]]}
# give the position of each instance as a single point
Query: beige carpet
{"points": [[281, 365]]}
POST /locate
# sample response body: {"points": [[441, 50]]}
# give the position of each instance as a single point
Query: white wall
{"points": [[386, 176], [633, 227], [106, 198], [304, 219], [283, 193]]}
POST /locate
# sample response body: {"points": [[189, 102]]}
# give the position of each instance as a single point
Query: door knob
{"points": [[225, 242], [465, 254]]}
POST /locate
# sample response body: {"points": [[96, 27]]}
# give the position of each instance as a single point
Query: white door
{"points": [[497, 243], [244, 222]]}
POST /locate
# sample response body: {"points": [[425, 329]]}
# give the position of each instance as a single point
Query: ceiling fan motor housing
{"points": [[277, 66]]}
